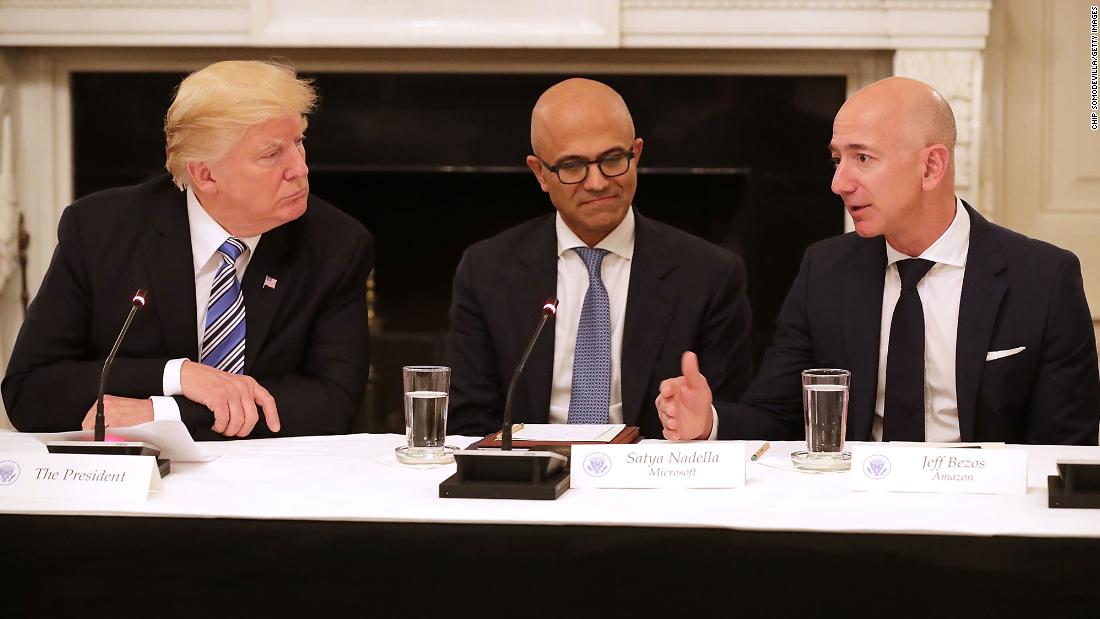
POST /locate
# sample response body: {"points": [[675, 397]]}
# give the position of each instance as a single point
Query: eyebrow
{"points": [[849, 147], [613, 150]]}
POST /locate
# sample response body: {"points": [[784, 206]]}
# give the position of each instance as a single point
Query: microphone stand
{"points": [[99, 445], [549, 310], [100, 420], [504, 473]]}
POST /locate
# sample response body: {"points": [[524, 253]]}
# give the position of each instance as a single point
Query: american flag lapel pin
{"points": [[269, 282]]}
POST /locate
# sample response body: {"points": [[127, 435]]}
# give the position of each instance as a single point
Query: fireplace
{"points": [[432, 162]]}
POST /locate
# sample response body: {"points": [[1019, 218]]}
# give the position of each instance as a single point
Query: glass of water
{"points": [[426, 392], [825, 413]]}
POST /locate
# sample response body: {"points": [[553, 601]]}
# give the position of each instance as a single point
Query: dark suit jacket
{"points": [[1016, 292], [684, 294], [307, 339]]}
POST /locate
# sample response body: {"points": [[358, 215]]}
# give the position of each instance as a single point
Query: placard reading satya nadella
{"points": [[698, 464], [949, 470], [78, 476]]}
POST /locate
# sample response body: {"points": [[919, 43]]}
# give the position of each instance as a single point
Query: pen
{"points": [[760, 452]]}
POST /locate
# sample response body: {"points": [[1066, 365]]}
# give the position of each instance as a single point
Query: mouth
{"points": [[598, 201], [298, 194], [855, 208]]}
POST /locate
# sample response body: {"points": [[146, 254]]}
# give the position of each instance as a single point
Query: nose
{"points": [[297, 166], [595, 182], [842, 183]]}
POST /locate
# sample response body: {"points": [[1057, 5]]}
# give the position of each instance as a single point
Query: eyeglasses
{"points": [[575, 171]]}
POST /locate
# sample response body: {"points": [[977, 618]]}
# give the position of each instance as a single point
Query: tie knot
{"points": [[912, 270], [592, 258], [232, 248]]}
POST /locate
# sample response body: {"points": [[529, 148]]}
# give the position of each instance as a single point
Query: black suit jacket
{"points": [[684, 294], [307, 339], [1016, 292]]}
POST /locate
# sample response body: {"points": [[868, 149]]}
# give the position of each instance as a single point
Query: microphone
{"points": [[99, 446], [136, 303], [549, 310], [504, 473]]}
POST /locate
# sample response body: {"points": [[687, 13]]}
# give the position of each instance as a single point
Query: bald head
{"points": [[920, 113], [571, 105]]}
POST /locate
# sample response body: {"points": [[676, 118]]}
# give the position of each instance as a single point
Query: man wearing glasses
{"points": [[633, 293]]}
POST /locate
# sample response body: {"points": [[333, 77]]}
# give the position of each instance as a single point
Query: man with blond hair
{"points": [[954, 328], [256, 324]]}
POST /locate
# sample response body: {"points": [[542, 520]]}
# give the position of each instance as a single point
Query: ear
{"points": [[637, 151], [937, 159], [202, 178], [536, 169]]}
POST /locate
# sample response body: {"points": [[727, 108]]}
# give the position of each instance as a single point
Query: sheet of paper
{"points": [[168, 435], [573, 432]]}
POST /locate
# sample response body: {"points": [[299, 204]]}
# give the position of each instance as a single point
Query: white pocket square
{"points": [[998, 354]]}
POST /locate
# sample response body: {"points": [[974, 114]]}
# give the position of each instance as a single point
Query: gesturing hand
{"points": [[684, 403]]}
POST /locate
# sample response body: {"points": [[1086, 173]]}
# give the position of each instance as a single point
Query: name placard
{"points": [[703, 464], [950, 470], [84, 476]]}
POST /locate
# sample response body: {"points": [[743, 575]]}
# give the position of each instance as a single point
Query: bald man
{"points": [[633, 293], [953, 328]]}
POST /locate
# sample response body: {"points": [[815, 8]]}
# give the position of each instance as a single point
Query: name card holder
{"points": [[78, 476], [702, 464], [880, 467]]}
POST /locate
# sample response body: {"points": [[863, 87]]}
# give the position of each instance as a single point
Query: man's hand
{"points": [[120, 412], [684, 403], [232, 397]]}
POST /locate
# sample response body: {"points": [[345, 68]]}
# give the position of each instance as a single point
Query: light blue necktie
{"points": [[590, 394], [223, 338]]}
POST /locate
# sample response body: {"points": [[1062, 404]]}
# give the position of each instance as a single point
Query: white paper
{"points": [[78, 476], [168, 435], [573, 432], [692, 464], [937, 470]]}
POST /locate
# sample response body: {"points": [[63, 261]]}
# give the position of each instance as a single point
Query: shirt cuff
{"points": [[171, 381], [165, 408], [714, 425]]}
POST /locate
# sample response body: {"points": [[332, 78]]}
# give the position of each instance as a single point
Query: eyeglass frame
{"points": [[627, 152]]}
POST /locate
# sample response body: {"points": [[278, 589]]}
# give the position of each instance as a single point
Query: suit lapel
{"points": [[527, 286], [648, 310], [982, 292], [862, 327], [261, 301], [167, 254]]}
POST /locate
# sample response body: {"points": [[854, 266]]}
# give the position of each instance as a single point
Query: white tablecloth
{"points": [[355, 478]]}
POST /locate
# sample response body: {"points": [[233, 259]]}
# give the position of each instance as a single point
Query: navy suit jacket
{"points": [[1016, 292], [307, 340], [684, 294]]}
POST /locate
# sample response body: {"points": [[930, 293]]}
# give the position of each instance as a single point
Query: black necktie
{"points": [[903, 414]]}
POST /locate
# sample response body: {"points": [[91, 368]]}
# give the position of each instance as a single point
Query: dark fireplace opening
{"points": [[432, 163]]}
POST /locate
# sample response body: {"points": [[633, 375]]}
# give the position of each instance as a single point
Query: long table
{"points": [[289, 525]]}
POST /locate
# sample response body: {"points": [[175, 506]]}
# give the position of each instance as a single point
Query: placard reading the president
{"points": [[951, 470], [702, 464], [78, 476]]}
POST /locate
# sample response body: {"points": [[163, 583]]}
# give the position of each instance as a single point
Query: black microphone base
{"points": [[112, 448], [516, 474]]}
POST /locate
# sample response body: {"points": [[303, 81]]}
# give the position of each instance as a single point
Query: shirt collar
{"points": [[620, 241], [207, 235], [952, 246]]}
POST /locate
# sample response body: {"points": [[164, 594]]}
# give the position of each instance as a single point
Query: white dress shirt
{"points": [[940, 291], [572, 286], [207, 236]]}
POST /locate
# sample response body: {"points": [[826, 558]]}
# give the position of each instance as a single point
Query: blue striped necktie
{"points": [[223, 338], [590, 393]]}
